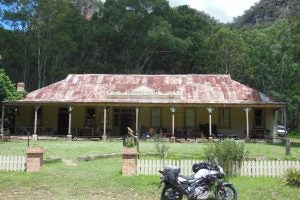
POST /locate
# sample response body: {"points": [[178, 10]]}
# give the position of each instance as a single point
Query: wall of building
{"points": [[25, 116], [49, 116], [269, 118], [78, 116], [237, 123]]}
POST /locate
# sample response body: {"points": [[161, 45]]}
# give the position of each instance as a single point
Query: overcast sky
{"points": [[222, 10]]}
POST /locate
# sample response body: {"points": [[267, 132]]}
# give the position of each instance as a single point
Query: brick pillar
{"points": [[129, 163], [34, 160]]}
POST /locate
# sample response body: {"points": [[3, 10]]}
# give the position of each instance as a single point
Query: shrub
{"points": [[229, 153], [292, 177], [162, 149], [129, 142]]}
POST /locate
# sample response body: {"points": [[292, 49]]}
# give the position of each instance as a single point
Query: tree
{"points": [[47, 31], [228, 53], [261, 59], [194, 27], [273, 67], [17, 16], [8, 90]]}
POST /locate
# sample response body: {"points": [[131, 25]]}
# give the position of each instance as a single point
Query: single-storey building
{"points": [[104, 105]]}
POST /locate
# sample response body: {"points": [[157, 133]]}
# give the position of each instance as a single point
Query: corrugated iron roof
{"points": [[112, 88]]}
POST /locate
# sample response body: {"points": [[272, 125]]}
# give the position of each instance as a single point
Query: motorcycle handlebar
{"points": [[162, 172]]}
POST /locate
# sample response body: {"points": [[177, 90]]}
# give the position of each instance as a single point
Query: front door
{"points": [[63, 121], [126, 121]]}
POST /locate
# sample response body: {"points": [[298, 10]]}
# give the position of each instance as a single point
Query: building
{"points": [[104, 105]]}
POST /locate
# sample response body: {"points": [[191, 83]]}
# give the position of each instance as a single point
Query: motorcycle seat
{"points": [[187, 177]]}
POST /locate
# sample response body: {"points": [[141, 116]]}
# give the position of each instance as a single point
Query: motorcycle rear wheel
{"points": [[169, 193], [227, 192]]}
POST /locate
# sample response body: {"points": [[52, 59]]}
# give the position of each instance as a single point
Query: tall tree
{"points": [[228, 53], [194, 27], [261, 58], [18, 16], [135, 34]]}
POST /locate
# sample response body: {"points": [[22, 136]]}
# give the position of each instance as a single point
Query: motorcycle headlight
{"points": [[220, 175]]}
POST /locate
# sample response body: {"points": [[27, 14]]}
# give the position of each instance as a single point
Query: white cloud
{"points": [[223, 10]]}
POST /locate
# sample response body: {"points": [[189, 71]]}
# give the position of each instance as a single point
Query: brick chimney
{"points": [[20, 87]]}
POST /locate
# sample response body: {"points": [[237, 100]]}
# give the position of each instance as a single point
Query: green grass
{"points": [[101, 179], [74, 149], [264, 189], [294, 135]]}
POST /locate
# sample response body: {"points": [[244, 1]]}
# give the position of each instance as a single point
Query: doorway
{"points": [[126, 121], [63, 121]]}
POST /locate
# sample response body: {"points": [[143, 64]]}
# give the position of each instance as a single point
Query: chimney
{"points": [[20, 87]]}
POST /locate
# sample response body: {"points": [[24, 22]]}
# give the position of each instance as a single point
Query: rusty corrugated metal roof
{"points": [[112, 88]]}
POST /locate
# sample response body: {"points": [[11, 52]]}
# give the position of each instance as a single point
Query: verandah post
{"points": [[173, 110], [247, 122], [104, 137], [36, 109], [210, 110], [2, 123], [69, 136]]}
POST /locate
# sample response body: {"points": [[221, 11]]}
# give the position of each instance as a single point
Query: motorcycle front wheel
{"points": [[226, 192], [169, 193]]}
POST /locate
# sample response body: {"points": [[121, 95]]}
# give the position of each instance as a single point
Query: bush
{"points": [[129, 142], [162, 150], [292, 177], [229, 153]]}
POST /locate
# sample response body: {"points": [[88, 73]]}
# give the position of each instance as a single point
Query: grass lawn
{"points": [[101, 179], [74, 149], [294, 136]]}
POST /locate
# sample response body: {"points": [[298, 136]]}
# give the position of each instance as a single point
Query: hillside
{"points": [[267, 11]]}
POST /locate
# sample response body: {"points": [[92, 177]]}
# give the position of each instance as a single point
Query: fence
{"points": [[12, 163], [272, 168]]}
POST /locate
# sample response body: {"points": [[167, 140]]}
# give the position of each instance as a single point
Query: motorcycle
{"points": [[198, 186]]}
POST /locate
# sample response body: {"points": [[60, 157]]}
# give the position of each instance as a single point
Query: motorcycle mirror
{"points": [[216, 161]]}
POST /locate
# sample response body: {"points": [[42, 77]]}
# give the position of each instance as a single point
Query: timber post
{"points": [[173, 110], [69, 136], [287, 146]]}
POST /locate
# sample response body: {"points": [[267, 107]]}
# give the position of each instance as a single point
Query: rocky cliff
{"points": [[268, 11]]}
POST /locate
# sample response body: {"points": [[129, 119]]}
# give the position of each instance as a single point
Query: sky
{"points": [[222, 10]]}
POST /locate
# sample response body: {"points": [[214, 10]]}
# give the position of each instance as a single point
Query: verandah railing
{"points": [[254, 168], [12, 163]]}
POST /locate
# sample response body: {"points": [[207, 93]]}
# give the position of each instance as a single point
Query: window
{"points": [[90, 117], [224, 117], [155, 117], [190, 117], [259, 118]]}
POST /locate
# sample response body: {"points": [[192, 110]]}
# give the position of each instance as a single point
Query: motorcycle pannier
{"points": [[171, 173]]}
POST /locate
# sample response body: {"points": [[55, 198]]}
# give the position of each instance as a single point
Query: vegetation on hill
{"points": [[52, 38], [265, 12]]}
